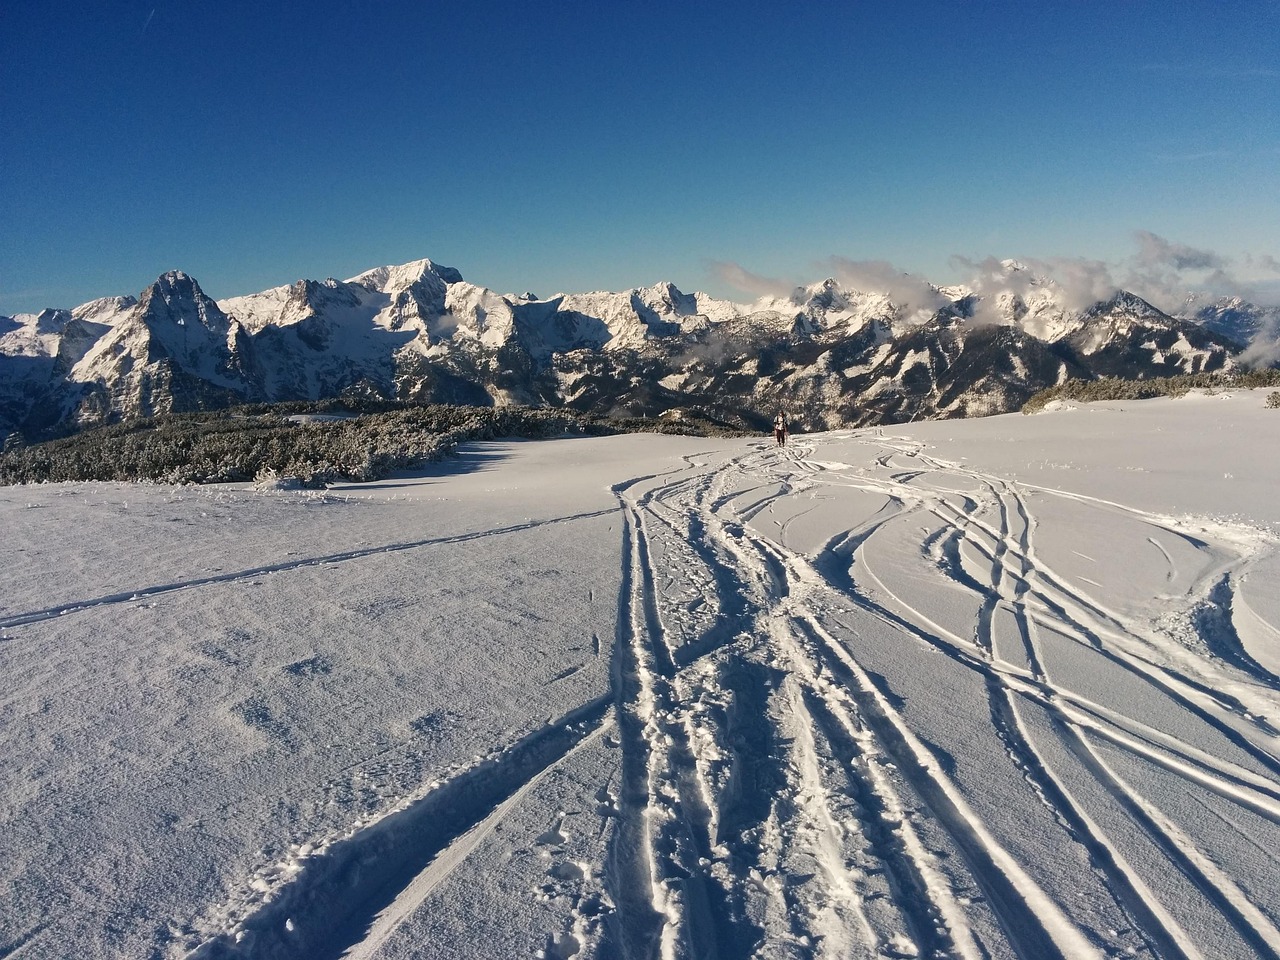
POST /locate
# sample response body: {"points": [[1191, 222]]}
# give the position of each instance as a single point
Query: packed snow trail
{"points": [[917, 736]]}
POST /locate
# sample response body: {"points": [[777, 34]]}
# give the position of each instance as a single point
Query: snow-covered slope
{"points": [[623, 321], [828, 306], [105, 310], [1000, 688], [59, 334], [37, 354], [318, 339]]}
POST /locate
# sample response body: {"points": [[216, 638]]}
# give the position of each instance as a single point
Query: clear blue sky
{"points": [[591, 145]]}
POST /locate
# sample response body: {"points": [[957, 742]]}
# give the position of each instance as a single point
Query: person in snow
{"points": [[780, 429]]}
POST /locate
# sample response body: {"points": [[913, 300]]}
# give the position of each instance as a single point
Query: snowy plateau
{"points": [[830, 355], [994, 688]]}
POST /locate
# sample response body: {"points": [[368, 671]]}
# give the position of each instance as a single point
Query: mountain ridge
{"points": [[828, 353]]}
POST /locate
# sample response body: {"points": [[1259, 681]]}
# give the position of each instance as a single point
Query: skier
{"points": [[780, 429]]}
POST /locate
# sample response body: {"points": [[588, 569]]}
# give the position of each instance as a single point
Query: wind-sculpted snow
{"points": [[950, 690]]}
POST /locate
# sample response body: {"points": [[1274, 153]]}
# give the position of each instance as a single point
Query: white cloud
{"points": [[1162, 271], [741, 279], [1156, 251], [917, 298], [1165, 272], [1264, 263], [1080, 282], [1265, 349], [1084, 282]]}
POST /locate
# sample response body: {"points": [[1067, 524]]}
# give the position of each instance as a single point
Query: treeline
{"points": [[1086, 391], [257, 442]]}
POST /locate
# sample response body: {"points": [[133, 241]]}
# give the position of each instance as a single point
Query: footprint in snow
{"points": [[553, 837], [560, 947], [568, 870], [607, 804]]}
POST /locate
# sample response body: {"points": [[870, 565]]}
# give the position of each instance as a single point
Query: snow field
{"points": [[999, 688]]}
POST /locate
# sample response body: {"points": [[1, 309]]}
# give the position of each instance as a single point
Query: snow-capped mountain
{"points": [[832, 356], [105, 310], [827, 353], [37, 354], [174, 350], [1233, 317], [827, 306]]}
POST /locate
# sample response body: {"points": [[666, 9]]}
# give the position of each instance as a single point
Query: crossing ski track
{"points": [[915, 737], [862, 701], [858, 837]]}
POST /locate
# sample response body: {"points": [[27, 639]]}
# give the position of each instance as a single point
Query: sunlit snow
{"points": [[992, 688]]}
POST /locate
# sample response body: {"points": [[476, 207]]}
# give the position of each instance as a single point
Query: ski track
{"points": [[129, 596], [825, 840], [348, 899], [777, 798]]}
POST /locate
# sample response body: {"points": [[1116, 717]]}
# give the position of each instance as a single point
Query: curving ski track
{"points": [[789, 793], [914, 738]]}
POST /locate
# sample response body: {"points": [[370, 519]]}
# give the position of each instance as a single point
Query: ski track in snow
{"points": [[348, 899], [780, 794], [129, 596], [813, 846]]}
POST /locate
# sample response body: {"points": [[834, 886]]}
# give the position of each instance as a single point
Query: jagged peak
{"points": [[1128, 302], [1201, 302], [176, 297], [308, 284], [822, 290], [173, 283], [668, 295], [176, 279], [664, 288], [805, 293], [51, 320], [319, 290], [833, 296], [396, 277]]}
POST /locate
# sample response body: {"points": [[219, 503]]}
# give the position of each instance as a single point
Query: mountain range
{"points": [[827, 355]]}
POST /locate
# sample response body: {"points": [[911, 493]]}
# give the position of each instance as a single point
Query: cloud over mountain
{"points": [[1167, 273], [739, 278]]}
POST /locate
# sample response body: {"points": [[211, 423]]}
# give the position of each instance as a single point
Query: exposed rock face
{"points": [[827, 355], [37, 353], [174, 351]]}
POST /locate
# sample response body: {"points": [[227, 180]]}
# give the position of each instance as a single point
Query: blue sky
{"points": [[590, 145]]}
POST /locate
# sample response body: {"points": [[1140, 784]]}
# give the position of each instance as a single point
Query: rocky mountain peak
{"points": [[52, 321], [825, 294], [309, 295], [393, 279], [176, 299], [667, 299], [1128, 305], [1233, 317]]}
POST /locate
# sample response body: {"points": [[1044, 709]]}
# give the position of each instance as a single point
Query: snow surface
{"points": [[1001, 688]]}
